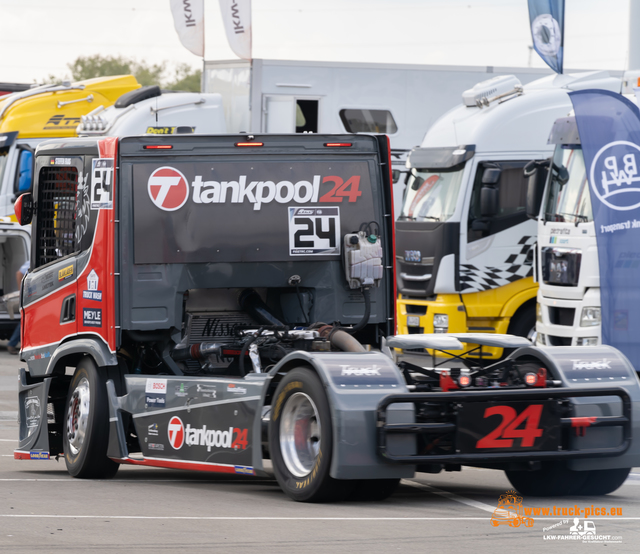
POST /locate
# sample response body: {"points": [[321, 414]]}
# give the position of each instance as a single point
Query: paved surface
{"points": [[42, 509]]}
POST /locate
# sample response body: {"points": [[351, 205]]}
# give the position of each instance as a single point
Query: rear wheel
{"points": [[301, 440], [603, 481], [86, 425], [523, 323], [553, 479]]}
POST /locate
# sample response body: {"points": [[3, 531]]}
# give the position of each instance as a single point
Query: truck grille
{"points": [[414, 278], [561, 316]]}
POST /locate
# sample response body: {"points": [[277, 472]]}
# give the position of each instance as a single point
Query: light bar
{"points": [[334, 144], [249, 143], [157, 147]]}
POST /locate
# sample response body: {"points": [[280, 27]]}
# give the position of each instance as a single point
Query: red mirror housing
{"points": [[23, 208]]}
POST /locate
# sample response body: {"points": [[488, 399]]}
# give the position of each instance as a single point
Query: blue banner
{"points": [[547, 30], [609, 128]]}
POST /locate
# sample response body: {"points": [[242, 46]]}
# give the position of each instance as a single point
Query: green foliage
{"points": [[87, 67]]}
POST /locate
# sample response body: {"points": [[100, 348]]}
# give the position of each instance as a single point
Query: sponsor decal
{"points": [[244, 470], [160, 130], [208, 391], [92, 292], [32, 411], [314, 231], [102, 183], [60, 161], [65, 273], [152, 430], [560, 231], [38, 455], [232, 438], [235, 389], [156, 393], [592, 364], [60, 121], [368, 371], [175, 431], [181, 391], [412, 256], [156, 446], [168, 189], [558, 240], [41, 356], [92, 317], [83, 207]]}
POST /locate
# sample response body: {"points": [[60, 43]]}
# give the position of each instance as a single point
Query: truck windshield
{"points": [[431, 194], [569, 202]]}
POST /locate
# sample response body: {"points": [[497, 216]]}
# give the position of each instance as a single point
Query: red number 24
{"points": [[502, 436]]}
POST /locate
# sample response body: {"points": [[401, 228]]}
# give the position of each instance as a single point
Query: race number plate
{"points": [[508, 427], [314, 231]]}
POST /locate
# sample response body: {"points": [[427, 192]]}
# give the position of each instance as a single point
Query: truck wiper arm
{"points": [[434, 218], [579, 217]]}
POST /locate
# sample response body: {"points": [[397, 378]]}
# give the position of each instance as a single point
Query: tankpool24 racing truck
{"points": [[209, 302]]}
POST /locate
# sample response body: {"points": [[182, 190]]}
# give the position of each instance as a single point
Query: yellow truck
{"points": [[49, 111]]}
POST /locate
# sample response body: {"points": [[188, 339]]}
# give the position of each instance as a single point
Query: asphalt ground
{"points": [[43, 509]]}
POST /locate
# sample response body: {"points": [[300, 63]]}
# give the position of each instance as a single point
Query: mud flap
{"points": [[117, 447], [32, 418]]}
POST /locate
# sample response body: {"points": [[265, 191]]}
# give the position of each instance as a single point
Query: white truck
{"points": [[569, 273], [464, 244], [149, 110]]}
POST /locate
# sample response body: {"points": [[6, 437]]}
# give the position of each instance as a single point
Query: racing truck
{"points": [[227, 304]]}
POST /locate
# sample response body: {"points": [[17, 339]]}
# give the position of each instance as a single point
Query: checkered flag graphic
{"points": [[478, 278]]}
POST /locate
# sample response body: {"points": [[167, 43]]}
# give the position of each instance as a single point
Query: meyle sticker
{"points": [[244, 470], [102, 184], [314, 231], [39, 455], [92, 317], [156, 393], [92, 285], [65, 273]]}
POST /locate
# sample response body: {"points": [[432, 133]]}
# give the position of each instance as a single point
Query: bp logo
{"points": [[168, 188], [175, 431], [614, 175]]}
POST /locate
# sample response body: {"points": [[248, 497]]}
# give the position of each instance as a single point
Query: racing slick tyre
{"points": [[374, 489], [603, 481], [85, 432], [553, 479], [523, 323], [301, 440]]}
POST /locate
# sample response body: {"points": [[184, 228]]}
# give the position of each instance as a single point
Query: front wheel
{"points": [[301, 440], [85, 432]]}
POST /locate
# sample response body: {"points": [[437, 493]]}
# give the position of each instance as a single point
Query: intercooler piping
{"points": [[341, 339]]}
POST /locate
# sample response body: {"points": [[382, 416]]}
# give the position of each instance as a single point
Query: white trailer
{"points": [[400, 100]]}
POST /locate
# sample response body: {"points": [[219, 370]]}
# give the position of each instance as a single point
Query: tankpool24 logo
{"points": [[614, 175]]}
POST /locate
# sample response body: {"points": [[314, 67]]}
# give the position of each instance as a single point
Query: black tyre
{"points": [[85, 433], [374, 489], [523, 323], [553, 479], [301, 440], [603, 481]]}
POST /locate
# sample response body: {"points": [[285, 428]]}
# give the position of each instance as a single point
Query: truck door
{"points": [[289, 114], [499, 235], [50, 288]]}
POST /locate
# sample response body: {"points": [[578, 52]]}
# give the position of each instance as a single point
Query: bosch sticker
{"points": [[156, 393], [102, 184], [314, 231]]}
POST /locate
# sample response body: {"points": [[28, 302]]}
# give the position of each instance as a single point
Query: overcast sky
{"points": [[40, 37]]}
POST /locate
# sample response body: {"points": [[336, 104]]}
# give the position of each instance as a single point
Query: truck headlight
{"points": [[541, 340], [440, 323], [538, 313], [413, 321], [587, 341], [590, 316]]}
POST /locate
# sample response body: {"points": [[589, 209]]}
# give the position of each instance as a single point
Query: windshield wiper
{"points": [[430, 217], [579, 217]]}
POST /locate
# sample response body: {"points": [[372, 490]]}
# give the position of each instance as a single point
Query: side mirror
{"points": [[536, 171], [25, 171], [23, 208], [491, 175], [489, 201]]}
